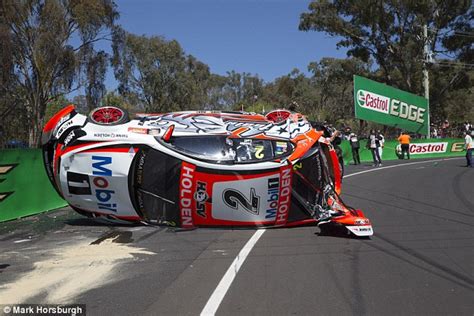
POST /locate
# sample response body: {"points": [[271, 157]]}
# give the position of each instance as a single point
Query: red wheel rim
{"points": [[278, 116], [107, 115]]}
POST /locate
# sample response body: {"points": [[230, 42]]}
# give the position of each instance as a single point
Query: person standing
{"points": [[381, 141], [467, 127], [469, 146], [404, 140], [354, 141], [373, 143], [444, 129]]}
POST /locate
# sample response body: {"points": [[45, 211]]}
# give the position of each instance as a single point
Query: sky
{"points": [[255, 36]]}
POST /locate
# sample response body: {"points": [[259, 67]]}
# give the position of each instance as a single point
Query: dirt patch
{"points": [[69, 271]]}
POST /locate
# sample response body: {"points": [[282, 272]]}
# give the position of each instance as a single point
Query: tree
{"points": [[215, 96], [45, 63], [95, 68], [391, 33], [240, 90], [155, 73], [293, 87], [334, 77], [453, 94], [54, 106]]}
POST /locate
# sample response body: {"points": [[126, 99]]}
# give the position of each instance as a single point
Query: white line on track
{"points": [[221, 290], [398, 165], [224, 285]]}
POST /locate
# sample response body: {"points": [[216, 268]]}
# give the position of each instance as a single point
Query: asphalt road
{"points": [[419, 262]]}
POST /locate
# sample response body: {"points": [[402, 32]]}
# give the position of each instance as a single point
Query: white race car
{"points": [[191, 169]]}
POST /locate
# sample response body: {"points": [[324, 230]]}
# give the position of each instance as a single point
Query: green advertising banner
{"points": [[419, 148], [24, 186], [386, 105]]}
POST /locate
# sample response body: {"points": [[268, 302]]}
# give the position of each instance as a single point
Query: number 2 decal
{"points": [[233, 198]]}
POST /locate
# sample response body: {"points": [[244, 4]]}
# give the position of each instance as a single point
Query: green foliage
{"points": [[54, 106], [391, 33], [41, 62], [155, 74], [385, 40]]}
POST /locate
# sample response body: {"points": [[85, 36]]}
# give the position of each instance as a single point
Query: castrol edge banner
{"points": [[383, 104]]}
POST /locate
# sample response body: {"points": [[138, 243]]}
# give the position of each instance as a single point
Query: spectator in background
{"points": [[469, 146], [434, 131], [293, 107], [444, 129], [404, 141], [382, 142], [373, 143], [354, 141], [467, 127], [347, 133]]}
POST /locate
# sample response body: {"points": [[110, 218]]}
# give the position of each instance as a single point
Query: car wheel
{"points": [[109, 115]]}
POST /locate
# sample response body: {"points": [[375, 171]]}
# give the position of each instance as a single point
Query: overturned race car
{"points": [[191, 169]]}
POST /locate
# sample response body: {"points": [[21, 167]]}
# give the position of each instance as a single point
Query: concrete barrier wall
{"points": [[420, 148], [24, 186]]}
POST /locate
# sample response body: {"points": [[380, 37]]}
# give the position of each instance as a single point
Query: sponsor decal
{"points": [[5, 169], [285, 196], [98, 167], [201, 196], [63, 128], [407, 111], [138, 130], [69, 137], [281, 148], [428, 148], [361, 230], [63, 119], [457, 147], [372, 101], [379, 103], [233, 198], [272, 197], [102, 191], [78, 183], [186, 195], [110, 135], [139, 180]]}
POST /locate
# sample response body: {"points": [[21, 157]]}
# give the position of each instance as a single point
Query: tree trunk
{"points": [[36, 125]]}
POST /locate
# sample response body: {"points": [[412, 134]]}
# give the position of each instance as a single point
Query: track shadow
{"points": [[121, 237], [3, 266], [97, 222]]}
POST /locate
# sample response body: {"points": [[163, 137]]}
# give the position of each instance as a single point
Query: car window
{"points": [[238, 150], [205, 147]]}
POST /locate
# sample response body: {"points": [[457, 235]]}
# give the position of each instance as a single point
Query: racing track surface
{"points": [[419, 262]]}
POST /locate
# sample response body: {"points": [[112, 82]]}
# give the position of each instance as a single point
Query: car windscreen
{"points": [[236, 150], [205, 147], [253, 150]]}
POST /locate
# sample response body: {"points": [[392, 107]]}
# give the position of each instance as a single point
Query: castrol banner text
{"points": [[383, 104]]}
